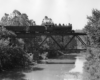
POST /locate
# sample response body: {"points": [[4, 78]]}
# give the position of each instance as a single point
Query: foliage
{"points": [[12, 52], [92, 66], [19, 19], [47, 21], [32, 44], [11, 57], [16, 19], [4, 33], [93, 27]]}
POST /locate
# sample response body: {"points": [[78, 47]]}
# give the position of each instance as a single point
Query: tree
{"points": [[47, 21], [16, 19], [93, 27], [92, 66], [13, 48], [10, 56]]}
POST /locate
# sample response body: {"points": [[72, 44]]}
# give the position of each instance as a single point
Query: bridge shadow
{"points": [[18, 74]]}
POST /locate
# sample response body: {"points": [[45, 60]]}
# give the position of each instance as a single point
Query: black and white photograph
{"points": [[49, 39]]}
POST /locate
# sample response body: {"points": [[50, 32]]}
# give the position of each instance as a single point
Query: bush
{"points": [[92, 66], [11, 57]]}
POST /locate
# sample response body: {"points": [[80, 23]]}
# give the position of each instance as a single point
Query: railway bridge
{"points": [[49, 31]]}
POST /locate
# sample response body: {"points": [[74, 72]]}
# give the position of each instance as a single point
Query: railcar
{"points": [[37, 29], [16, 29]]}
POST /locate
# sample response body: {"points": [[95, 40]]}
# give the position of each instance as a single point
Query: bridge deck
{"points": [[30, 35]]}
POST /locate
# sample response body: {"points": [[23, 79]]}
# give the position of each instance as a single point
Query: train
{"points": [[39, 29]]}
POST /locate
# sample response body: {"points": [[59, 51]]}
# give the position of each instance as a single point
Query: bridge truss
{"points": [[47, 35]]}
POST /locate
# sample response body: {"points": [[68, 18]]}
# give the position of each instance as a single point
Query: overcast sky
{"points": [[61, 11]]}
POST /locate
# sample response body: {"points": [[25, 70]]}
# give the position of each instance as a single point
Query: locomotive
{"points": [[40, 29], [50, 28]]}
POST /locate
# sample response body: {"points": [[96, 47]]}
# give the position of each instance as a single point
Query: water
{"points": [[53, 70]]}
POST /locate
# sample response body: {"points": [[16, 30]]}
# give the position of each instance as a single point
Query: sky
{"points": [[60, 11]]}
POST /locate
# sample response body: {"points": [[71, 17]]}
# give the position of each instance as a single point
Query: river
{"points": [[54, 69]]}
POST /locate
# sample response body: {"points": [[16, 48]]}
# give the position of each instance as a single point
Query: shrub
{"points": [[92, 66], [11, 57]]}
